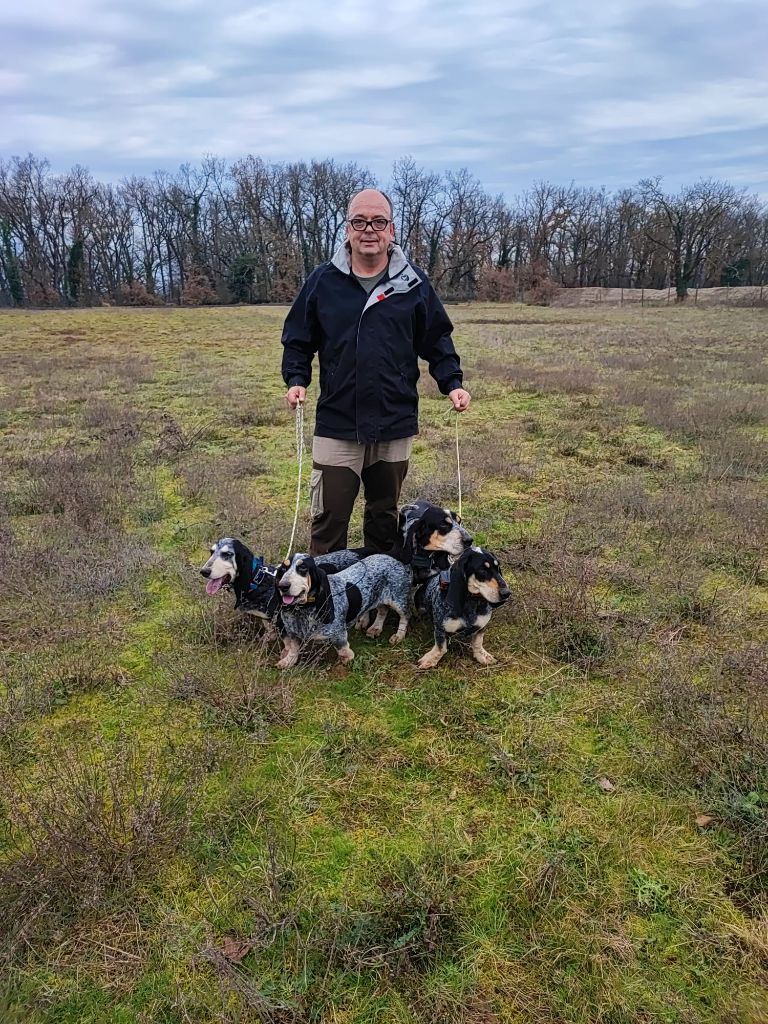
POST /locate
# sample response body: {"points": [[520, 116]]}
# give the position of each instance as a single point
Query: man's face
{"points": [[369, 243]]}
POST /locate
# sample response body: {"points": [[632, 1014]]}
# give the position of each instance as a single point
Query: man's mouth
{"points": [[214, 586]]}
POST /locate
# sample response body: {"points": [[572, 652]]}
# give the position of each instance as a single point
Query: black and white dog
{"points": [[461, 601], [316, 605], [429, 537], [233, 565]]}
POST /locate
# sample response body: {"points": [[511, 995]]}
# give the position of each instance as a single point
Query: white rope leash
{"points": [[458, 462], [300, 455]]}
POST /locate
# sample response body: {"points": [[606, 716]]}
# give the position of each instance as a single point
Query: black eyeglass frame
{"points": [[365, 223]]}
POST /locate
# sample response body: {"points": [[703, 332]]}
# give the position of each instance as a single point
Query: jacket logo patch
{"points": [[380, 297]]}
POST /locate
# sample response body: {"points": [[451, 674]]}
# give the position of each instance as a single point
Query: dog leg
{"points": [[364, 621], [290, 653], [433, 657], [479, 653], [378, 625], [344, 651], [402, 627]]}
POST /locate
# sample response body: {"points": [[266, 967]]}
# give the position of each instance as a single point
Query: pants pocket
{"points": [[316, 507]]}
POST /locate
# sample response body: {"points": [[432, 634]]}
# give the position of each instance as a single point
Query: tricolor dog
{"points": [[319, 606], [461, 601], [428, 538]]}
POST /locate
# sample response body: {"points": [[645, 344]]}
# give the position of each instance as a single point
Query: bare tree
{"points": [[689, 226]]}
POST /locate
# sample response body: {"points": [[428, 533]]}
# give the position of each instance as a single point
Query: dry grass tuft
{"points": [[84, 829]]}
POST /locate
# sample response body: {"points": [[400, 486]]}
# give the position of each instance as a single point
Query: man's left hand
{"points": [[460, 399]]}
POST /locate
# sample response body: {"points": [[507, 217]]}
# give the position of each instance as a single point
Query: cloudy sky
{"points": [[600, 94]]}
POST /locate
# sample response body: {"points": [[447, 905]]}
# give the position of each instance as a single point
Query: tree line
{"points": [[250, 231]]}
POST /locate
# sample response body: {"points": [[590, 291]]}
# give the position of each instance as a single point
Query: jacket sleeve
{"points": [[435, 344], [300, 338]]}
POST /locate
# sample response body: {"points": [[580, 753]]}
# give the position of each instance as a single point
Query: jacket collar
{"points": [[397, 260]]}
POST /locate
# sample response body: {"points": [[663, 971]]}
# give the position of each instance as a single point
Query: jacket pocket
{"points": [[316, 507]]}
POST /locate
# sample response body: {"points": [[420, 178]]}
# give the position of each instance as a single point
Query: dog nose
{"points": [[467, 539], [283, 586], [504, 593], [205, 572]]}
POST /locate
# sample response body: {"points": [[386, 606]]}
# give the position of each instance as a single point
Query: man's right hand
{"points": [[295, 395]]}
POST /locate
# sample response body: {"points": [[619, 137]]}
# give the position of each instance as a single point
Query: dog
{"points": [[461, 601], [429, 537], [233, 565], [316, 605]]}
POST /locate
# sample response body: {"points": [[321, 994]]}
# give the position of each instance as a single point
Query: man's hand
{"points": [[460, 399], [295, 395]]}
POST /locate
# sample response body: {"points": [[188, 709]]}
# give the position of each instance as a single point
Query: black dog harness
{"points": [[258, 571]]}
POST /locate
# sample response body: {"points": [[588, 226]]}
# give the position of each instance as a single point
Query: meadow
{"points": [[577, 835]]}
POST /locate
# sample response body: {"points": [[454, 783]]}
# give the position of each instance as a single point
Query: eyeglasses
{"points": [[377, 223]]}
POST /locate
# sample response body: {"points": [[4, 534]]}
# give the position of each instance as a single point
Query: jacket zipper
{"points": [[385, 293], [357, 343]]}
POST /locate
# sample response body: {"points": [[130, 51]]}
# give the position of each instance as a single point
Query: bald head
{"points": [[368, 199]]}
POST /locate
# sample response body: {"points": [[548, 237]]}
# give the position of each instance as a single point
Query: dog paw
{"points": [[374, 631], [484, 658], [396, 638], [346, 656], [427, 662], [286, 663]]}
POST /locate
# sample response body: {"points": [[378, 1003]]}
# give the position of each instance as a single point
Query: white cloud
{"points": [[715, 106], [11, 82], [508, 87]]}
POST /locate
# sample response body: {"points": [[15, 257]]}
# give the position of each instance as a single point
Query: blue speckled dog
{"points": [[234, 565], [319, 606], [461, 601]]}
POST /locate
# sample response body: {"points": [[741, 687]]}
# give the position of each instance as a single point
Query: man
{"points": [[369, 315]]}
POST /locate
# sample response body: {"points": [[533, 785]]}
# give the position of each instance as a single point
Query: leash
{"points": [[300, 457], [458, 462]]}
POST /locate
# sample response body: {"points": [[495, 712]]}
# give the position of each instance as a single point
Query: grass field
{"points": [[578, 835]]}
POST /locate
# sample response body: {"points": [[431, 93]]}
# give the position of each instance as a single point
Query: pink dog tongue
{"points": [[214, 586], [288, 598]]}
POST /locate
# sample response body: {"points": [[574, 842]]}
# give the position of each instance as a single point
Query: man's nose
{"points": [[205, 572]]}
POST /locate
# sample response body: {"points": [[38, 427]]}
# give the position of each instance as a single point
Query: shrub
{"points": [[198, 290], [88, 829], [134, 293]]}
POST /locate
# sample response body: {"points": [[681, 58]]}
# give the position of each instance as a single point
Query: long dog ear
{"points": [[404, 548], [320, 590], [244, 564], [456, 597]]}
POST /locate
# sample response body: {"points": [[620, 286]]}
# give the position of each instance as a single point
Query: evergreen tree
{"points": [[74, 280], [11, 264]]}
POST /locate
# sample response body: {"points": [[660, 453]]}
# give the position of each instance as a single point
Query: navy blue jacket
{"points": [[368, 348]]}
